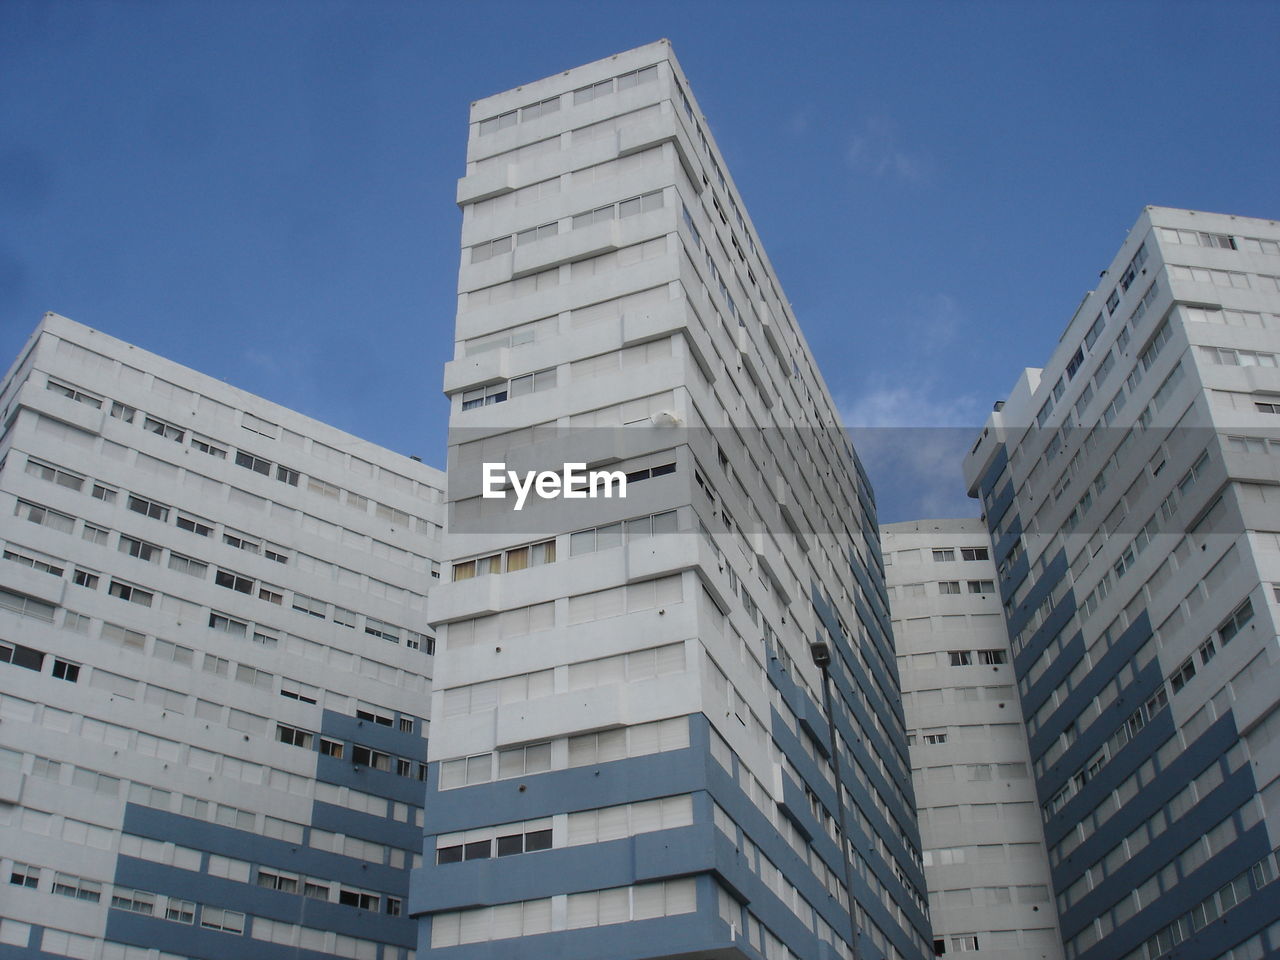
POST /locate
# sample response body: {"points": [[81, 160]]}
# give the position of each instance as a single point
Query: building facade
{"points": [[1132, 491], [630, 747], [214, 666], [983, 847]]}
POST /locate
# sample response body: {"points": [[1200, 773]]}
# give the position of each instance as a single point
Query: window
{"points": [[250, 462], [233, 581], [228, 921], [992, 657], [122, 411], [484, 396], [78, 888], [148, 508], [225, 624], [947, 587], [162, 429], [180, 911], [241, 542], [358, 899], [127, 591], [23, 875], [1242, 615], [943, 554], [293, 736], [271, 595], [982, 586], [382, 719], [93, 534], [331, 748], [62, 522], [71, 393], [66, 670], [974, 553], [49, 565], [187, 565], [285, 475], [204, 446], [368, 757], [276, 880], [384, 631], [198, 527], [961, 658], [54, 474], [310, 605], [139, 549]]}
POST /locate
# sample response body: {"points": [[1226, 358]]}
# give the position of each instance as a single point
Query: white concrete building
{"points": [[214, 666], [984, 855], [629, 753], [1132, 490]]}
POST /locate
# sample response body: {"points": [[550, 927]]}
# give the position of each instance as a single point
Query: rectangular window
{"points": [[54, 474], [982, 586], [126, 591], [250, 462], [162, 429], [148, 508], [191, 524], [139, 549], [73, 393], [204, 446], [947, 587]]}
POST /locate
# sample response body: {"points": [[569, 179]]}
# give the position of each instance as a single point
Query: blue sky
{"points": [[263, 191]]}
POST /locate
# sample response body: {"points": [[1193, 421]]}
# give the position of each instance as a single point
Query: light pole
{"points": [[821, 653]]}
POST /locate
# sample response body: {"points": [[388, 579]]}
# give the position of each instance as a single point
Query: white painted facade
{"points": [[615, 308], [984, 855], [1131, 489], [213, 627]]}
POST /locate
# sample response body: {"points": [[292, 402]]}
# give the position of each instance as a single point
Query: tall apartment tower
{"points": [[1132, 490], [984, 855], [214, 669], [629, 753]]}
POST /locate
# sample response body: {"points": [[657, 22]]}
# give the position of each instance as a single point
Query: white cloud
{"points": [[912, 443], [876, 149]]}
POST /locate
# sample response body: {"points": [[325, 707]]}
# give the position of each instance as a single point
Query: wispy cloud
{"points": [[912, 440], [876, 148], [801, 120]]}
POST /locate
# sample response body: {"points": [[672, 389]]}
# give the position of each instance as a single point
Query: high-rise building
{"points": [[214, 666], [1132, 491], [984, 856], [630, 741]]}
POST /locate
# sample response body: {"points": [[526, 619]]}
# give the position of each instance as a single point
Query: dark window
{"points": [[65, 670], [449, 854], [537, 840]]}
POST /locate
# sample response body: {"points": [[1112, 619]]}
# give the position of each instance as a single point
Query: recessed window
{"points": [[166, 430], [974, 553], [66, 670], [148, 508], [250, 462], [191, 524], [948, 587]]}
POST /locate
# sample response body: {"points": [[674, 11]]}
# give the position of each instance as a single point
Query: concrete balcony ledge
{"points": [[464, 599], [640, 326], [482, 369], [579, 244], [485, 184]]}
